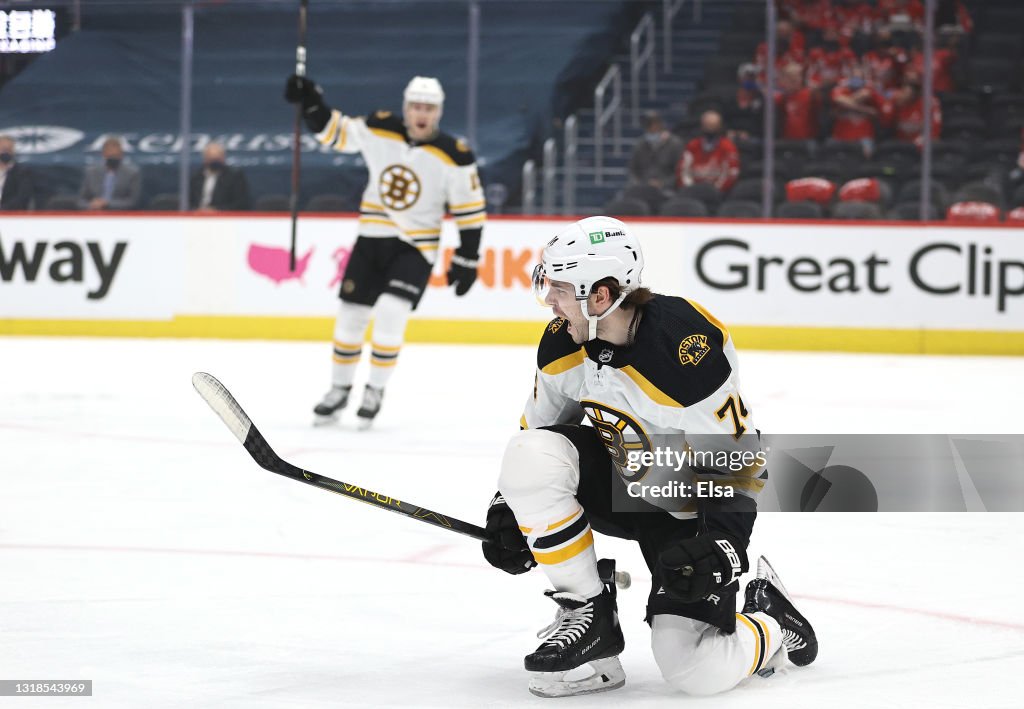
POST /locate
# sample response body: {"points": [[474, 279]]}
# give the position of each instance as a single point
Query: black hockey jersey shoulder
{"points": [[456, 149], [679, 349], [387, 121], [557, 352]]}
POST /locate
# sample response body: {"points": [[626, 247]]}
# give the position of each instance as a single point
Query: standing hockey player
{"points": [[654, 374], [415, 171]]}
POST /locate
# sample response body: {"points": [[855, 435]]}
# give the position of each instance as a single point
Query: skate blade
{"points": [[319, 420], [765, 571], [363, 424], [608, 675]]}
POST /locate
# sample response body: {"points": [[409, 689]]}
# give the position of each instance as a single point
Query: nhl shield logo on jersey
{"points": [[621, 436], [399, 187], [556, 325], [606, 356], [693, 349], [381, 115]]}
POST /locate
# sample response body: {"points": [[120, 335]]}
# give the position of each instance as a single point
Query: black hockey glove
{"points": [[506, 547], [302, 89], [462, 272], [694, 568]]}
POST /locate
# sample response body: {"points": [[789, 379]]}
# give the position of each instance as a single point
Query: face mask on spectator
{"points": [[113, 163], [215, 165], [6, 158]]}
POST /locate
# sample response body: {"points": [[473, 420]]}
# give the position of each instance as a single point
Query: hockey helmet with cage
{"points": [[588, 251], [424, 89]]}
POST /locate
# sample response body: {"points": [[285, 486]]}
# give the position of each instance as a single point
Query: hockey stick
{"points": [[239, 423], [225, 406], [300, 70]]}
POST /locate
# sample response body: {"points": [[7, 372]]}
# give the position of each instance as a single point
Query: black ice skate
{"points": [[585, 631], [333, 402], [767, 594], [372, 397]]}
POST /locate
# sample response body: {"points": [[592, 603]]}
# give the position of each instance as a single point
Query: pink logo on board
{"points": [[274, 263], [341, 256]]}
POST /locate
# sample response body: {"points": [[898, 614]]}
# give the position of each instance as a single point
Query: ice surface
{"points": [[142, 548]]}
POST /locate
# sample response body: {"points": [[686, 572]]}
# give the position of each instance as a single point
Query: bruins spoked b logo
{"points": [[399, 187], [621, 436]]}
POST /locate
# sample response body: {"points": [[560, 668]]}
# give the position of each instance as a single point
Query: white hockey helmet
{"points": [[588, 251], [424, 89]]}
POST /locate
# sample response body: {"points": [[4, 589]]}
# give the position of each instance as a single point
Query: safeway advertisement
{"points": [[102, 268]]}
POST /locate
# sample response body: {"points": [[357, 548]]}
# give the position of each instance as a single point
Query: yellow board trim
{"points": [[564, 364], [556, 557], [757, 641], [656, 395], [438, 153], [524, 332]]}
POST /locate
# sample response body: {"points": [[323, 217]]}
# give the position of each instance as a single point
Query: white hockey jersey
{"points": [[668, 408], [411, 184]]}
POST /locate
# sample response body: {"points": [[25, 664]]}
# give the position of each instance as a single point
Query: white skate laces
{"points": [[335, 396], [569, 624]]}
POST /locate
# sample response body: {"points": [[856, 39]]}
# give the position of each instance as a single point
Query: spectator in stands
{"points": [[881, 65], [798, 105], [810, 16], [711, 158], [218, 187], [945, 61], [901, 14], [789, 47], [855, 20], [833, 61], [116, 184], [17, 188], [746, 111], [908, 111], [857, 107]]}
